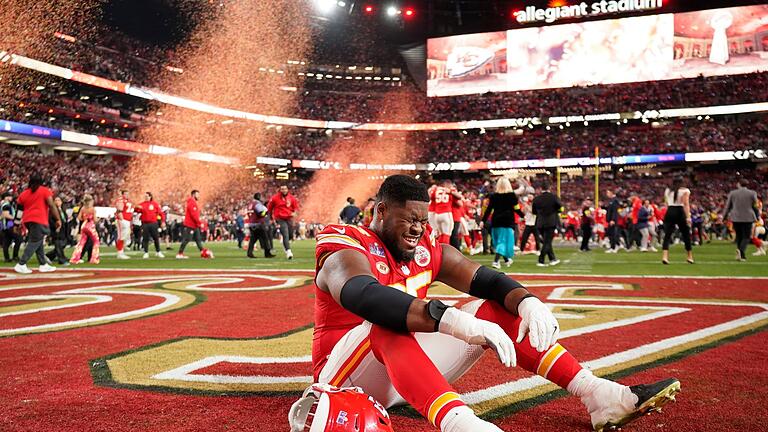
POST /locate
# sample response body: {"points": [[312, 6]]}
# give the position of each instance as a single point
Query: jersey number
{"points": [[442, 196]]}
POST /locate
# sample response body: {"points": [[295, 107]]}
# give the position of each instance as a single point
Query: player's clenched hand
{"points": [[475, 331], [538, 321]]}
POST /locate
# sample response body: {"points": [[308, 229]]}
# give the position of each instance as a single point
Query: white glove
{"points": [[475, 331], [538, 321]]}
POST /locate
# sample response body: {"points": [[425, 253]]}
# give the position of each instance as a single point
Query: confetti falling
{"points": [[329, 189], [221, 66]]}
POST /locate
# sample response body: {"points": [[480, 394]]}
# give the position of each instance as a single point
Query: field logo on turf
{"points": [[91, 299], [281, 364]]}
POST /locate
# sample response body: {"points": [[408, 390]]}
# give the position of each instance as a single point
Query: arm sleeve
{"points": [[488, 210]]}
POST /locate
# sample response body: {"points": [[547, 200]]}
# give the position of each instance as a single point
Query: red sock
{"points": [[555, 364], [468, 241], [413, 374], [120, 244], [757, 242], [444, 238]]}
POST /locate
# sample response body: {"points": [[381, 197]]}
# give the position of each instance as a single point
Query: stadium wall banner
{"points": [[136, 147], [533, 14], [28, 129], [647, 48]]}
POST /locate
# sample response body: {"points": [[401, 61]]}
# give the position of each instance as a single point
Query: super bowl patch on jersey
{"points": [[422, 256], [382, 267], [376, 249]]}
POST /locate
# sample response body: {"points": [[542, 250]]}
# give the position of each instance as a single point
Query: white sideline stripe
{"points": [[168, 301], [183, 373], [9, 270], [662, 312], [145, 280], [613, 359], [94, 300], [642, 276]]}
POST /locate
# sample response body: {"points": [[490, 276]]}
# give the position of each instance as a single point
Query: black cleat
{"points": [[650, 398]]}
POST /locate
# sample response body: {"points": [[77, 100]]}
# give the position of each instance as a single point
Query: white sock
{"points": [[463, 419]]}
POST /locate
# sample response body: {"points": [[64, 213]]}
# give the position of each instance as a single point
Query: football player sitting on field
{"points": [[375, 330]]}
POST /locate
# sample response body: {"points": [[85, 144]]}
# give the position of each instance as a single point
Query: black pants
{"points": [[136, 242], [743, 236], [613, 235], [586, 236], [59, 243], [485, 236], [259, 232], [527, 232], [150, 230], [286, 230], [455, 237], [547, 234], [35, 243], [634, 237], [6, 238], [189, 234], [675, 217]]}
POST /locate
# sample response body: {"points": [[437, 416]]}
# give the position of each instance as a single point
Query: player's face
{"points": [[284, 190], [403, 226]]}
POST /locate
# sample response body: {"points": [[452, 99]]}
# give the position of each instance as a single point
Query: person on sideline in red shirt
{"points": [[283, 207], [150, 214], [36, 200], [191, 228]]}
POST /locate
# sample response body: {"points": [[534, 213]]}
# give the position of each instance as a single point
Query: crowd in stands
{"points": [[365, 107], [576, 141], [69, 174]]}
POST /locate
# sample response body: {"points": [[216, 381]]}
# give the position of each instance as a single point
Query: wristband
{"points": [[436, 310]]}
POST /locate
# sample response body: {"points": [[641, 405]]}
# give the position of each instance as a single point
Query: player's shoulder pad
{"points": [[343, 235]]}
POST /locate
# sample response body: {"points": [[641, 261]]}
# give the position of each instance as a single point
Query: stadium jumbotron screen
{"points": [[656, 47]]}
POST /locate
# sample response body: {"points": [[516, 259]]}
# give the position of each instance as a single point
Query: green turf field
{"points": [[716, 259]]}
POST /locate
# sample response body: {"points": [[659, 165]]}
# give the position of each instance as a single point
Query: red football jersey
{"points": [[600, 216], [431, 208], [442, 199], [457, 209], [124, 208], [332, 321]]}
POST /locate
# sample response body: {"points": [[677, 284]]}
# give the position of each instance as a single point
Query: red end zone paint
{"points": [[50, 382]]}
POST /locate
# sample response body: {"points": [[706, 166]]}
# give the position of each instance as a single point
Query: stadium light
{"points": [[392, 11], [325, 6]]}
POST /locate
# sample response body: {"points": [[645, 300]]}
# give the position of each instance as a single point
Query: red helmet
{"points": [[206, 253], [338, 410]]}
